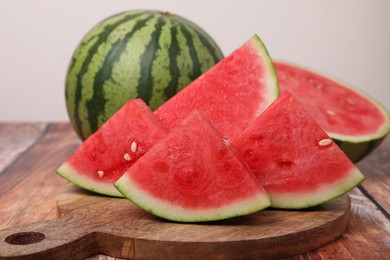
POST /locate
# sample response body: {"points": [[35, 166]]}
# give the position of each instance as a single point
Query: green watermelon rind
{"points": [[82, 181], [272, 79], [325, 193], [355, 147], [176, 213]]}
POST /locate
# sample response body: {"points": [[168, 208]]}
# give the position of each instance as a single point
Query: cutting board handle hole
{"points": [[25, 238]]}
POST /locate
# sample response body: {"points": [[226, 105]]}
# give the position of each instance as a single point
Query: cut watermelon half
{"points": [[193, 175], [355, 121], [232, 93], [297, 163], [103, 157]]}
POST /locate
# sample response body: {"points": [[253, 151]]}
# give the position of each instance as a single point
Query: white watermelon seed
{"points": [[226, 141], [127, 157], [133, 147], [100, 173], [325, 142], [350, 101], [330, 112]]}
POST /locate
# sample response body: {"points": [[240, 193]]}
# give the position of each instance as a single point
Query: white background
{"points": [[348, 39]]}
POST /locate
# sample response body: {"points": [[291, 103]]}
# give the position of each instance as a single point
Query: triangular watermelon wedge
{"points": [[193, 175], [102, 158], [297, 163], [232, 93]]}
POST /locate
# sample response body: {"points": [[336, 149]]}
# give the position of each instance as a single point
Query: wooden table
{"points": [[31, 152]]}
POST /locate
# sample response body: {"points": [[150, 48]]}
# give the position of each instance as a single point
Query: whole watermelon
{"points": [[143, 54]]}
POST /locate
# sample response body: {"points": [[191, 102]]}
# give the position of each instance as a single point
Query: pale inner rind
{"points": [[167, 210], [67, 172], [322, 194]]}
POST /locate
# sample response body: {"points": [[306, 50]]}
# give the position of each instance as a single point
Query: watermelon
{"points": [[103, 157], [193, 175], [232, 93], [143, 54], [296, 162], [355, 121]]}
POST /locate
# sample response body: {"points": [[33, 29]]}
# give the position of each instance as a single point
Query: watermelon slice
{"points": [[297, 163], [356, 122], [232, 93], [193, 175], [103, 157]]}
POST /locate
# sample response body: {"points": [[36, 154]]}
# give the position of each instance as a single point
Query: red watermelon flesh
{"points": [[232, 93], [102, 158], [297, 163], [355, 121], [193, 175]]}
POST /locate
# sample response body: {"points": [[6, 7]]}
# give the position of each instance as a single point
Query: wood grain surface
{"points": [[17, 138], [29, 188], [377, 171], [91, 224]]}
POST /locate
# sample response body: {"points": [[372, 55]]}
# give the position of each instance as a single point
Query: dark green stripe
{"points": [[96, 105], [102, 38], [174, 51], [145, 84], [205, 39], [213, 50], [196, 67]]}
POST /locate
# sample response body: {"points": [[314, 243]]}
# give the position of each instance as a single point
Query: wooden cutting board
{"points": [[89, 224]]}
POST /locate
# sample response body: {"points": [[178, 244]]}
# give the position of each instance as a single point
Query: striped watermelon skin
{"points": [[135, 54]]}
